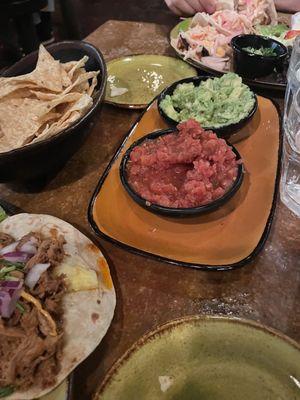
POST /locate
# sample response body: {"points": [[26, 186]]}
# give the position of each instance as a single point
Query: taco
{"points": [[56, 303]]}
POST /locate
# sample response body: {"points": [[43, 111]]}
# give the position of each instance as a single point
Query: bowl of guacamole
{"points": [[223, 104]]}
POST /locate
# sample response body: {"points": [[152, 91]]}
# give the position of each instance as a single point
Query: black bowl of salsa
{"points": [[171, 211], [255, 56]]}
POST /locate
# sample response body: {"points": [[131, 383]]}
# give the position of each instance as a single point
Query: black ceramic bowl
{"points": [[40, 159], [252, 65], [225, 131], [175, 212]]}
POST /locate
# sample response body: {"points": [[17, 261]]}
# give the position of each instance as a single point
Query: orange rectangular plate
{"points": [[224, 239]]}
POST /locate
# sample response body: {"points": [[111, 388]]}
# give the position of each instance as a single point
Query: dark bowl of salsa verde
{"points": [[256, 56], [174, 211]]}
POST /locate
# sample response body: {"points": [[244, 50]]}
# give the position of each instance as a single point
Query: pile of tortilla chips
{"points": [[42, 103]]}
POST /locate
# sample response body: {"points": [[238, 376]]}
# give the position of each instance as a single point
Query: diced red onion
{"points": [[30, 247], [5, 305], [9, 295], [10, 285], [8, 249], [17, 256], [34, 274]]}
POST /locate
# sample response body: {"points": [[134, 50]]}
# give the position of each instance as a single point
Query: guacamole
{"points": [[215, 103]]}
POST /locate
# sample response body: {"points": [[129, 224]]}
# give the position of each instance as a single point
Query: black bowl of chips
{"points": [[45, 115]]}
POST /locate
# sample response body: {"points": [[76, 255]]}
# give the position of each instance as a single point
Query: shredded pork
{"points": [[29, 354], [5, 240]]}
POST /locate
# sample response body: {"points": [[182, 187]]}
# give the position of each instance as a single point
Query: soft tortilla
{"points": [[83, 332]]}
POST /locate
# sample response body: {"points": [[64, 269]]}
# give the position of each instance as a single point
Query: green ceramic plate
{"points": [[207, 358], [142, 77]]}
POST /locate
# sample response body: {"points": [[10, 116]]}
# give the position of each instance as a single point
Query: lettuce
{"points": [[272, 30], [2, 214]]}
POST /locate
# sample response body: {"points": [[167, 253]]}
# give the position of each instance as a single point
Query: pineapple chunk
{"points": [[77, 277]]}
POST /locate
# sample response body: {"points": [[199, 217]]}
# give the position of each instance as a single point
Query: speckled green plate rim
{"points": [[151, 335], [259, 83], [138, 106]]}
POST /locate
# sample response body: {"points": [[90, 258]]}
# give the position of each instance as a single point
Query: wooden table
{"points": [[148, 292]]}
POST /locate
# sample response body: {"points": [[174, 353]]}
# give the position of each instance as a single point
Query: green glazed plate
{"points": [[144, 77], [207, 358]]}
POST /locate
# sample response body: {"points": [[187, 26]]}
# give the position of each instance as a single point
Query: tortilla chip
{"points": [[21, 118], [70, 115], [48, 71], [10, 87], [51, 116], [67, 66], [80, 83], [51, 130], [66, 81], [47, 74], [79, 64], [92, 87]]}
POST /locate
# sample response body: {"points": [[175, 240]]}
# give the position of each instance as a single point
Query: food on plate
{"points": [[117, 91], [258, 11], [272, 31], [51, 319], [280, 32], [262, 51], [214, 103], [183, 169], [38, 105], [208, 37], [291, 35]]}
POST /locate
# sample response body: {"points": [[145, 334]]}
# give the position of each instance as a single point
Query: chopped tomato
{"points": [[292, 34]]}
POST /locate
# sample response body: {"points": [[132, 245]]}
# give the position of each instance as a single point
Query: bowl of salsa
{"points": [[181, 171]]}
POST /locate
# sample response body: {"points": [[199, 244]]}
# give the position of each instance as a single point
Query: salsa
{"points": [[186, 168]]}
